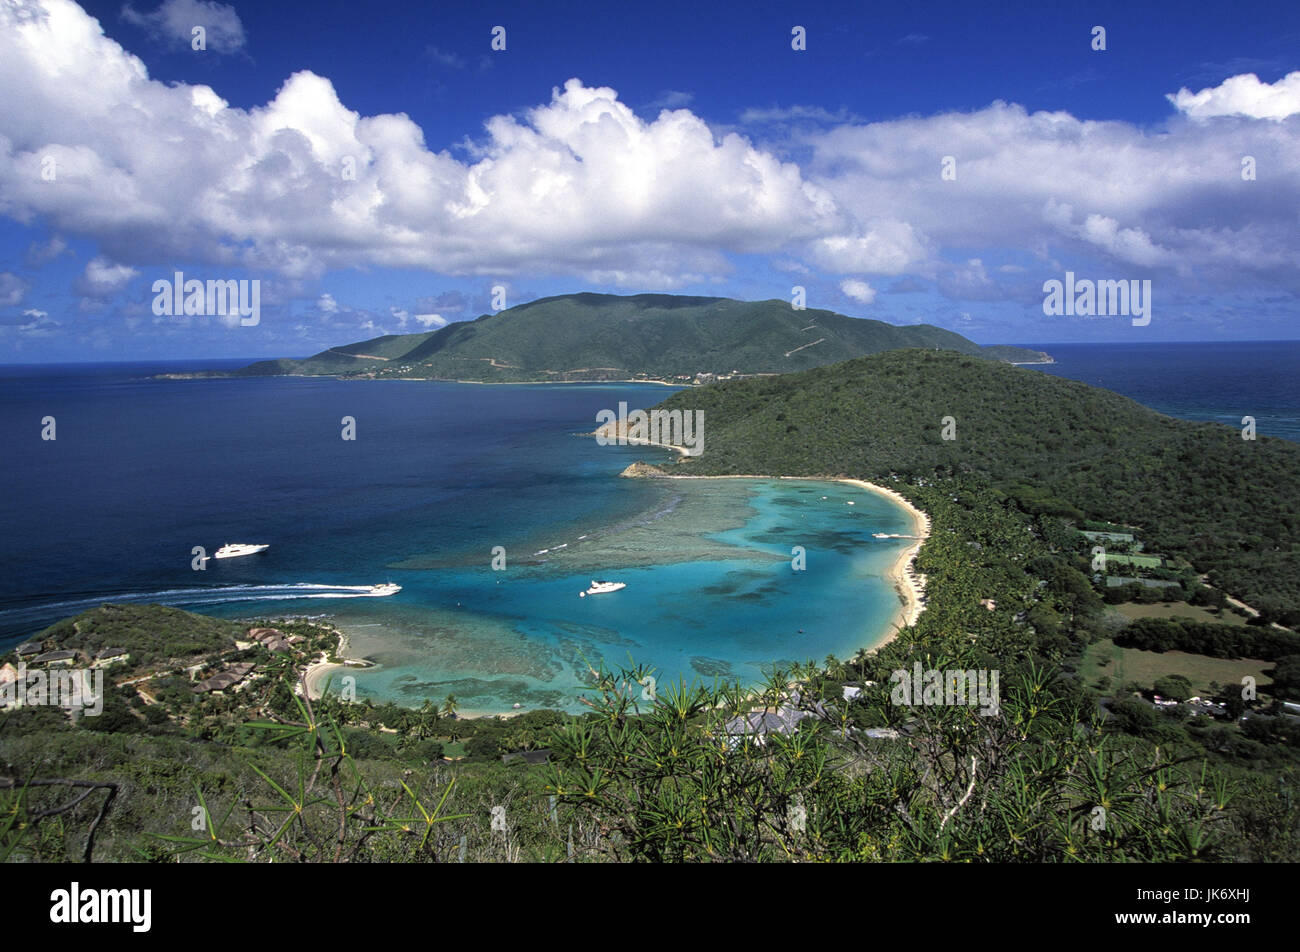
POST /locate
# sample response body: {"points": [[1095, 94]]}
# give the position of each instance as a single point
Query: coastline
{"points": [[317, 673], [227, 375], [907, 582], [616, 433]]}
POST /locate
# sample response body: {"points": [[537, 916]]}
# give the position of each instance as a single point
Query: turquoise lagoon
{"points": [[440, 474]]}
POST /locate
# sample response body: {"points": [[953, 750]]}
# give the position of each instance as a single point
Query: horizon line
{"points": [[1039, 344]]}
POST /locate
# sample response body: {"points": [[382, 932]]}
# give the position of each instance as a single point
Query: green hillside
{"points": [[1231, 506], [153, 633], [609, 337]]}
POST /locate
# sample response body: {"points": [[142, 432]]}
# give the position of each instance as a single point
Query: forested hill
{"points": [[611, 337], [1055, 445]]}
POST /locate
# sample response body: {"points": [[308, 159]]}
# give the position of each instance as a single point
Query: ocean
{"points": [[144, 470], [1219, 382]]}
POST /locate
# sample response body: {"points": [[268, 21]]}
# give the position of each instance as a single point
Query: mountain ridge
{"points": [[593, 337]]}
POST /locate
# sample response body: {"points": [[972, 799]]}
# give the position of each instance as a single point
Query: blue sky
{"points": [[667, 147]]}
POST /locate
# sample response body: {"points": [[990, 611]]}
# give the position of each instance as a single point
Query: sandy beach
{"points": [[319, 671], [908, 583]]}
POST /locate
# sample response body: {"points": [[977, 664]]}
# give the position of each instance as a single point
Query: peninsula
{"points": [[644, 338]]}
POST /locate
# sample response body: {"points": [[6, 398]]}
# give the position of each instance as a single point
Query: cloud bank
{"points": [[580, 185]]}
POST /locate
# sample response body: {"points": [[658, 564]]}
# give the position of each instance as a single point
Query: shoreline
{"points": [[907, 582], [225, 375], [615, 434], [316, 673]]}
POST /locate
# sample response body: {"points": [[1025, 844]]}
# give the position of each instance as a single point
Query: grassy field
{"points": [[1146, 561], [1123, 665], [1132, 610]]}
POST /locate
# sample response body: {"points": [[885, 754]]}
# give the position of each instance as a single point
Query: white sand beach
{"points": [[909, 584], [319, 671]]}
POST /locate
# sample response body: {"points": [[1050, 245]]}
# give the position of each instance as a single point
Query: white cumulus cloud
{"points": [[858, 290], [103, 278], [303, 184], [1242, 95], [581, 185]]}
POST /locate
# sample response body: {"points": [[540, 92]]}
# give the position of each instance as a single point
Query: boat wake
{"points": [[48, 612]]}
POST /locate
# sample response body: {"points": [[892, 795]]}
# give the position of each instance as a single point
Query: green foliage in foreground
{"points": [[1040, 781]]}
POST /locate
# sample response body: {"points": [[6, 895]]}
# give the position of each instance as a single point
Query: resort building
{"points": [[57, 659]]}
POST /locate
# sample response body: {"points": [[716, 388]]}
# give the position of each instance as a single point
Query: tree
{"points": [[1286, 677], [1175, 687]]}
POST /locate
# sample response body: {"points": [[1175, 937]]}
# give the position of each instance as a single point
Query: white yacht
{"points": [[388, 588], [233, 550], [600, 588]]}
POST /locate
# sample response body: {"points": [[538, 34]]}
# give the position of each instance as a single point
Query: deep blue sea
{"points": [[1218, 382], [143, 470]]}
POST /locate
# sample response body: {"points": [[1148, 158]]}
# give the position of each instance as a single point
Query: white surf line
{"points": [[199, 596], [797, 349], [557, 548]]}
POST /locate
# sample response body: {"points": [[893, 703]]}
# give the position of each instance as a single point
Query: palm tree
{"points": [[426, 720], [861, 660], [835, 669], [449, 706]]}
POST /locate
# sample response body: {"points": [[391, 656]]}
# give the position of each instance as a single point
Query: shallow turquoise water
{"points": [[711, 591], [144, 470]]}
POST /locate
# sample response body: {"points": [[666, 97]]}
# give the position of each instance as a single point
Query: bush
{"points": [[1175, 687]]}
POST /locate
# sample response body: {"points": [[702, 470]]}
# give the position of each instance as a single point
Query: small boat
{"points": [[233, 550], [388, 588], [600, 588]]}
